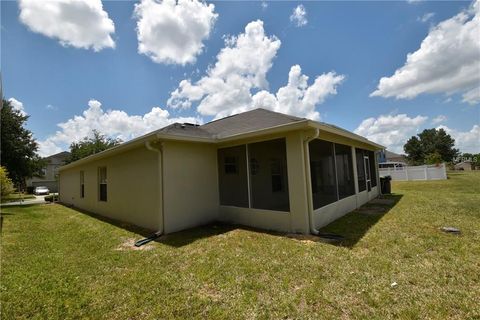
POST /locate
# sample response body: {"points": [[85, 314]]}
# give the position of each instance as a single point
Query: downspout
{"points": [[308, 179], [159, 151]]}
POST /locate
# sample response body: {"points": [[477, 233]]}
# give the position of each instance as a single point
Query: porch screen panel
{"points": [[232, 176], [268, 175], [322, 170], [373, 167], [362, 180], [346, 184]]}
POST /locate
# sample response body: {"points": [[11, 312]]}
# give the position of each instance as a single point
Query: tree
{"points": [[18, 152], [91, 145], [430, 142], [6, 183], [433, 158]]}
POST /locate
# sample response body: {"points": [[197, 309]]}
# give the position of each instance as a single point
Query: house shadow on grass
{"points": [[354, 225], [186, 237], [177, 239]]}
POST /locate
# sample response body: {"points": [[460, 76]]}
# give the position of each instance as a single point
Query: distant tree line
{"points": [[96, 143], [433, 146]]}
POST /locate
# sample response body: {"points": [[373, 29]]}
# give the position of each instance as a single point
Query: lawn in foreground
{"points": [[60, 263]]}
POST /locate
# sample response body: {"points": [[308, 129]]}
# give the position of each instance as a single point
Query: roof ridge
{"points": [[256, 109]]}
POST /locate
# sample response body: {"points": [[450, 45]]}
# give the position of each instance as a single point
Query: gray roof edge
{"points": [[343, 132], [158, 134]]}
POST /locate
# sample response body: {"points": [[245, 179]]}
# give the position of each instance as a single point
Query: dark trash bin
{"points": [[386, 185]]}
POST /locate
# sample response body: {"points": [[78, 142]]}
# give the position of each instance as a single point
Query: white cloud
{"points": [[472, 96], [17, 105], [80, 24], [427, 16], [391, 131], [264, 5], [466, 141], [299, 16], [297, 97], [227, 87], [447, 62], [173, 32], [439, 119], [113, 123]]}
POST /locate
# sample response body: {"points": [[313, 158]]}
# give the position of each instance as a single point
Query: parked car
{"points": [[41, 190]]}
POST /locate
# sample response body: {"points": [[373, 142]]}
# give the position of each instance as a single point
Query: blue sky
{"points": [[360, 42]]}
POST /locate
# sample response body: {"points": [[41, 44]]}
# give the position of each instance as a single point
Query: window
{"points": [[322, 171], [344, 165], [102, 181], [82, 184], [362, 180], [268, 175], [230, 165], [277, 175], [254, 167], [232, 175]]}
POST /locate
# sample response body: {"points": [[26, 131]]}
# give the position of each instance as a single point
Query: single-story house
{"points": [[49, 173], [465, 165], [258, 168], [389, 156]]}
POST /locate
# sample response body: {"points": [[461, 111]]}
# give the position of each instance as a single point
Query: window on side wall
{"points": [[102, 183], [82, 184]]}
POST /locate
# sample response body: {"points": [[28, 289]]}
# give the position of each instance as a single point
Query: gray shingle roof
{"points": [[253, 120], [185, 130], [247, 121]]}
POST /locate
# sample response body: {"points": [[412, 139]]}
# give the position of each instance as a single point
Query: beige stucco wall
{"points": [[191, 185], [133, 188], [190, 181]]}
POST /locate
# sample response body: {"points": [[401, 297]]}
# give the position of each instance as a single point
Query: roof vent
{"points": [[187, 124]]}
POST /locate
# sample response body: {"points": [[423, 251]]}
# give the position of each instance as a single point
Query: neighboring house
{"points": [[49, 177], [388, 156], [258, 168], [465, 165]]}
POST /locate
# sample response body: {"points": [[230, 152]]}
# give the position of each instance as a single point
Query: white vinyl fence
{"points": [[427, 172]]}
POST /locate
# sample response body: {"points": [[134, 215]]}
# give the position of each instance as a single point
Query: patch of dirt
{"points": [[129, 244], [372, 210], [210, 293], [305, 238]]}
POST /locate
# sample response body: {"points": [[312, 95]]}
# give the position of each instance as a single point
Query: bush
{"points": [[51, 198], [5, 182]]}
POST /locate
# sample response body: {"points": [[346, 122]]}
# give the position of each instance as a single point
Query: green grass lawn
{"points": [[16, 197], [58, 263]]}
